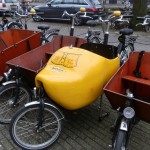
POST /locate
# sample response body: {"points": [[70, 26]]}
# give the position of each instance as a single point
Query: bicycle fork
{"points": [[124, 120]]}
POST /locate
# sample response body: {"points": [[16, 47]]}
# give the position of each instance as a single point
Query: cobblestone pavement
{"points": [[82, 130]]}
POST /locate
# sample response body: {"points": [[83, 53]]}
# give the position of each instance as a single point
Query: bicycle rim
{"points": [[50, 37], [24, 130], [7, 96]]}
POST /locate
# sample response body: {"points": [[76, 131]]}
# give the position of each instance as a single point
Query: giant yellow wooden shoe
{"points": [[74, 77]]}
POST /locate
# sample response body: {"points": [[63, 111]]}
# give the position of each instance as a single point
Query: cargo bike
{"points": [[128, 94], [70, 74], [13, 43]]}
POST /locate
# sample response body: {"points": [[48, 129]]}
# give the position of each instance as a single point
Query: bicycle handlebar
{"points": [[20, 15], [84, 14], [23, 15], [70, 15]]}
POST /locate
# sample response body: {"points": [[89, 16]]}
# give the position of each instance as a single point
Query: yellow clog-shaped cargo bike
{"points": [[73, 77]]}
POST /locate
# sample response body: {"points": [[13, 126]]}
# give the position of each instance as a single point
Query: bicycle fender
{"points": [[8, 82], [37, 102], [9, 24], [50, 31]]}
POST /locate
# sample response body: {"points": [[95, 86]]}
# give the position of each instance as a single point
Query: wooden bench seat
{"points": [[137, 80]]}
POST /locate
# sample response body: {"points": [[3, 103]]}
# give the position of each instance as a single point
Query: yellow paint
{"points": [[117, 13], [74, 77]]}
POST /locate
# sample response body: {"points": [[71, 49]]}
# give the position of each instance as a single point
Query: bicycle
{"points": [[47, 35], [126, 41], [44, 118], [145, 22], [16, 15], [7, 24], [126, 44], [93, 36], [74, 18]]}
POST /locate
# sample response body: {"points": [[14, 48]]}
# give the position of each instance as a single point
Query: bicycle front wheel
{"points": [[24, 129], [120, 140], [7, 97]]}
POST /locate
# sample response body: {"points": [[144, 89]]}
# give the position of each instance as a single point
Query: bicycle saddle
{"points": [[126, 31], [92, 22], [43, 27]]}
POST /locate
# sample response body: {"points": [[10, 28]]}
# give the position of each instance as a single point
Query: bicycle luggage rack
{"points": [[15, 42]]}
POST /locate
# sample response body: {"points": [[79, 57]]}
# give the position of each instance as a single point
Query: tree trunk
{"points": [[139, 10]]}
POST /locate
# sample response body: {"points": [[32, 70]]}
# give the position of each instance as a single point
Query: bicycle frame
{"points": [[73, 17], [105, 24]]}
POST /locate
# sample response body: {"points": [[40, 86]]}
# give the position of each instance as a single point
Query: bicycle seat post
{"points": [[72, 25]]}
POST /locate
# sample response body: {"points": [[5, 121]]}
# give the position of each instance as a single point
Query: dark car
{"points": [[55, 9]]}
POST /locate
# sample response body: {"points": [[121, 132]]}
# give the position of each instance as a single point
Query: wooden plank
{"points": [[137, 80]]}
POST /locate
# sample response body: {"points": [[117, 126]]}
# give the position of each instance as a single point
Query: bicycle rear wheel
{"points": [[15, 25], [24, 129], [49, 36], [95, 40], [7, 97]]}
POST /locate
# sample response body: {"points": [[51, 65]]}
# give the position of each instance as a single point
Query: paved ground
{"points": [[82, 130]]}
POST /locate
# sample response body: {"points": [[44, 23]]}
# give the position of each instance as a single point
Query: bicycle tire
{"points": [[48, 37], [95, 40], [147, 28], [7, 95], [120, 140], [14, 25], [31, 138]]}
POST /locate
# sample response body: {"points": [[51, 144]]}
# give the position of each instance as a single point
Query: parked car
{"points": [[7, 5], [55, 8]]}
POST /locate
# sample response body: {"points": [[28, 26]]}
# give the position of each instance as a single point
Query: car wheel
{"points": [[78, 20], [147, 28]]}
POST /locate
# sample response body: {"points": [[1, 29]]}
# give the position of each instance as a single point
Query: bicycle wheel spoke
{"points": [[26, 130], [8, 96]]}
